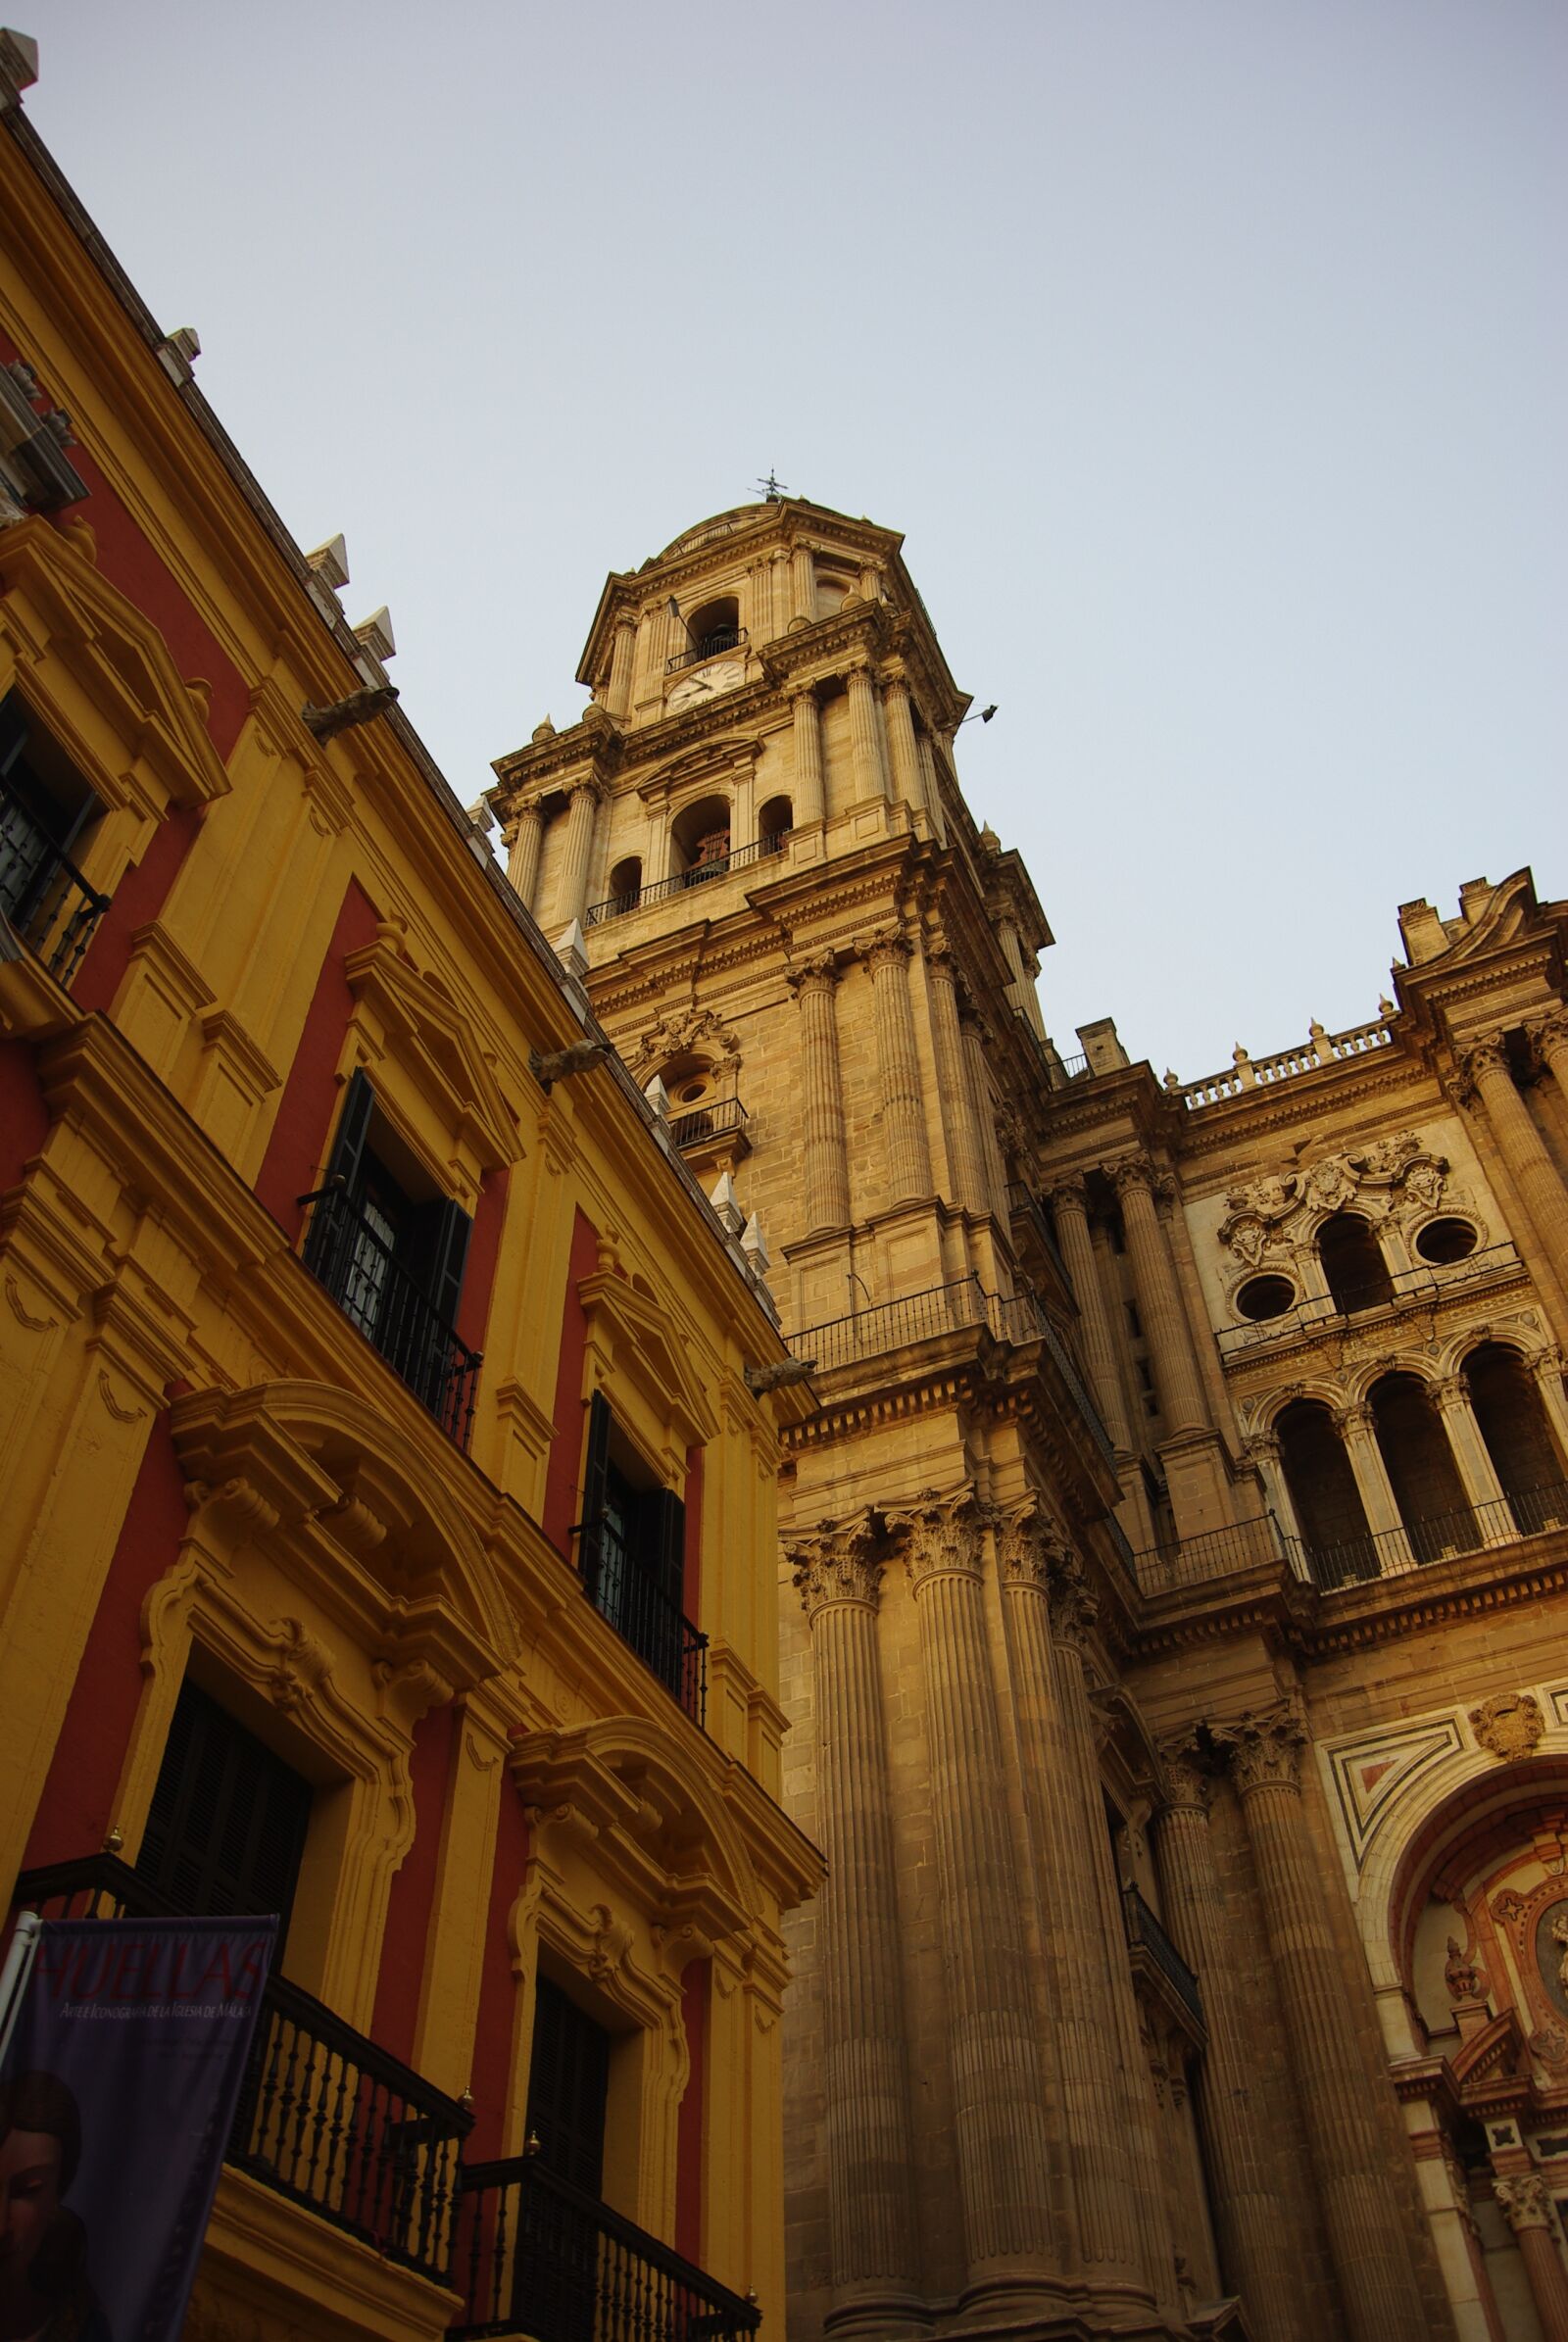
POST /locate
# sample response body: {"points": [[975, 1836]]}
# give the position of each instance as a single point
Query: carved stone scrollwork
{"points": [[883, 951], [1509, 1724], [1265, 1748], [1484, 1057], [1030, 1549], [1187, 1781], [942, 1537], [1524, 2198], [818, 973], [836, 1564], [1069, 1187], [1130, 1171], [1073, 1608]]}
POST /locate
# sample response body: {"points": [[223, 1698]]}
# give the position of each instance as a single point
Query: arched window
{"points": [[701, 838], [1324, 1494], [1354, 1266], [1421, 1470], [774, 823], [625, 884], [1513, 1424], [716, 627]]}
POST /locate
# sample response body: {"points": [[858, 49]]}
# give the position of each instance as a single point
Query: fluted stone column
{"points": [[1526, 2202], [823, 1164], [809, 802], [1363, 2213], [908, 1156], [1002, 2173], [522, 856], [1252, 2221], [1103, 2241], [1371, 1474], [622, 651], [1473, 1461], [1534, 1173], [931, 785], [1181, 1390], [865, 736], [1071, 1212], [803, 582], [904, 758], [994, 1180], [963, 1134], [782, 585], [872, 2230], [571, 889]]}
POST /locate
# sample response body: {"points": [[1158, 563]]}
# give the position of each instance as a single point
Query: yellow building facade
{"points": [[1173, 1560], [390, 1427]]}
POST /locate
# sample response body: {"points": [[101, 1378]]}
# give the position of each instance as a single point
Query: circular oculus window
{"points": [[1263, 1298], [1443, 1241]]}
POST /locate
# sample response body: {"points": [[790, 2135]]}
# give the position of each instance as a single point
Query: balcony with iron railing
{"points": [[1405, 1289], [42, 894], [539, 2256], [391, 1309], [724, 1118], [700, 874], [712, 645], [642, 1614], [326, 2118]]}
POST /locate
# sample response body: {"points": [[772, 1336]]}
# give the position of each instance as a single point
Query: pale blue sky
{"points": [[1210, 352]]}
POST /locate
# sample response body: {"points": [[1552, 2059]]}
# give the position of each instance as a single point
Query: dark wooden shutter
{"points": [[226, 1828], [596, 1469], [327, 1242], [13, 733], [446, 1237], [569, 2087], [665, 1552]]}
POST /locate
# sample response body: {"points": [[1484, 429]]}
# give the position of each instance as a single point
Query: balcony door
{"points": [[557, 2265], [226, 1828]]}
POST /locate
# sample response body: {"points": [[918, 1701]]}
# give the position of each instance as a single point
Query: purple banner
{"points": [[117, 2096]]}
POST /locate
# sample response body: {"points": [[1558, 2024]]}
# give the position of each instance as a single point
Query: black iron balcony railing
{"points": [[377, 1293], [700, 874], [538, 2257], [707, 646], [724, 1117], [326, 2116], [1400, 1290], [1145, 1933], [42, 893], [1211, 1554], [1024, 1204], [644, 1617]]}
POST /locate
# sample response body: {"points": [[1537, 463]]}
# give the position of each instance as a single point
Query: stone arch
{"points": [[1351, 1261]]}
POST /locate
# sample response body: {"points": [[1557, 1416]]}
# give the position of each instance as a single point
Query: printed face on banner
{"points": [[116, 2100]]}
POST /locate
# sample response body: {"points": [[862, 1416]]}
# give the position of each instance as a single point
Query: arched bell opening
{"points": [[1354, 1267], [1422, 1473], [1324, 1494], [700, 837], [1513, 1420]]}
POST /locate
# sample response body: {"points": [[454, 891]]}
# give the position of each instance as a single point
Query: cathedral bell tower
{"points": [[823, 972]]}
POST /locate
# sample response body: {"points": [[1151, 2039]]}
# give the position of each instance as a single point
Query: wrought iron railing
{"points": [[394, 1313], [539, 2256], [700, 874], [1211, 1554], [708, 646], [1072, 1068], [42, 893], [724, 1116], [1025, 1204], [1401, 1289], [1334, 1563], [643, 1616], [326, 2117], [1145, 1933]]}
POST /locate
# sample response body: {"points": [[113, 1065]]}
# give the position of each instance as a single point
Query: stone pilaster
{"points": [[824, 1167], [523, 840], [1001, 2155], [908, 1156], [622, 654], [1526, 2202], [872, 2218], [809, 803], [1533, 1174], [782, 574], [906, 762], [1254, 2220], [802, 583], [993, 1180], [1070, 1212], [571, 887], [866, 753], [966, 1160], [931, 786], [1363, 2213], [1176, 1375], [1103, 2242]]}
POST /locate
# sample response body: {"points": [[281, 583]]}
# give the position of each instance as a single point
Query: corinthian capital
{"points": [[1524, 2198], [1550, 1031], [1029, 1547], [942, 1537], [1265, 1748], [888, 949], [1188, 1773], [1484, 1056], [818, 973], [1068, 1188], [1073, 1608], [1131, 1171], [836, 1563]]}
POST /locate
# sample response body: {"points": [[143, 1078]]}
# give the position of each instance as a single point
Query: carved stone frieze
{"points": [[943, 1536], [1509, 1724], [837, 1563]]}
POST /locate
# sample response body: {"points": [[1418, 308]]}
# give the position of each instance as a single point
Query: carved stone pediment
{"points": [[435, 1042]]}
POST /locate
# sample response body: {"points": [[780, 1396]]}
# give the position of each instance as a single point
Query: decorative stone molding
{"points": [[698, 1032], [1073, 1608], [1524, 2198], [1464, 1979], [943, 1536], [1509, 1724], [1265, 1748], [1187, 1781], [836, 1564]]}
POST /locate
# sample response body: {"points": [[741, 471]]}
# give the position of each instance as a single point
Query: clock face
{"points": [[704, 683]]}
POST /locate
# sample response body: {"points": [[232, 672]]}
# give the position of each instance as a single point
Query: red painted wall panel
{"points": [[562, 1489], [696, 1979], [297, 1142], [413, 1896], [139, 897], [24, 1116], [76, 1809], [497, 1987], [479, 1275]]}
